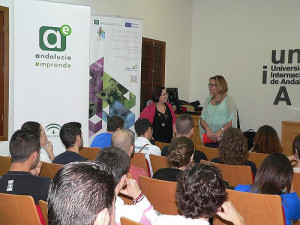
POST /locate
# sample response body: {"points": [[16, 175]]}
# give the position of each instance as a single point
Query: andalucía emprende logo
{"points": [[54, 38], [53, 43]]}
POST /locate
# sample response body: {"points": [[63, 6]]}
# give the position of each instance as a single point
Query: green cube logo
{"points": [[54, 38]]}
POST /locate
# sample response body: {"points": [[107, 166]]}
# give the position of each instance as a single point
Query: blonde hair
{"points": [[221, 83]]}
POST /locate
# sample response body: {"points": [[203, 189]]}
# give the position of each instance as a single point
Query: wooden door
{"points": [[153, 68]]}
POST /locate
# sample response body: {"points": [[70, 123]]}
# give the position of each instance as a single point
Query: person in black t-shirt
{"points": [[24, 148], [70, 135], [184, 127]]}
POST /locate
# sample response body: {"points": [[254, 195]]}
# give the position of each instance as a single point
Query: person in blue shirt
{"points": [[103, 140], [274, 176]]}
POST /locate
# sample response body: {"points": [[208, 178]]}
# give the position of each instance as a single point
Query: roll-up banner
{"points": [[115, 71], [51, 66]]}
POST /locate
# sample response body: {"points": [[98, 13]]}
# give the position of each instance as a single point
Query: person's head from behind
{"points": [[296, 146], [233, 147], [143, 127], [35, 126], [266, 140], [24, 146], [184, 126], [221, 86], [115, 123], [118, 161], [124, 140], [274, 176], [70, 135], [200, 191], [81, 193], [159, 94], [181, 152]]}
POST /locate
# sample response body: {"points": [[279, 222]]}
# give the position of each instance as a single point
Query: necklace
{"points": [[219, 101], [163, 116]]}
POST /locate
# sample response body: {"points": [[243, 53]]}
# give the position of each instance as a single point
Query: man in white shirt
{"points": [[143, 128]]}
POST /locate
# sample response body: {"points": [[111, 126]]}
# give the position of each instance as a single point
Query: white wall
{"points": [[235, 39]]}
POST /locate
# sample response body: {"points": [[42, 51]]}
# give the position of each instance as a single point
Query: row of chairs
{"points": [[255, 208]]}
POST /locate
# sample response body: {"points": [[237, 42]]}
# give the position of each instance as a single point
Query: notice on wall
{"points": [[115, 71], [51, 66]]}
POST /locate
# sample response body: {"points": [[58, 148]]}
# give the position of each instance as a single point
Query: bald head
{"points": [[124, 140], [184, 126]]}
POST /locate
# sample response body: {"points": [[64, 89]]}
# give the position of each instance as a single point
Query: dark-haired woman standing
{"points": [[161, 115]]}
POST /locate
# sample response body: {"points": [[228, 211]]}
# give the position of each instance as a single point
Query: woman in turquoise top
{"points": [[219, 111]]}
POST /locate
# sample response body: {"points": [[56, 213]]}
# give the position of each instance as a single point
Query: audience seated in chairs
{"points": [[124, 140], [296, 151], [119, 162], [180, 157], [81, 193], [274, 176], [70, 135], [24, 149], [184, 127], [200, 195], [103, 140], [266, 140], [142, 144], [233, 149]]}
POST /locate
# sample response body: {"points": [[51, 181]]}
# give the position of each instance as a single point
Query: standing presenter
{"points": [[161, 115], [218, 114]]}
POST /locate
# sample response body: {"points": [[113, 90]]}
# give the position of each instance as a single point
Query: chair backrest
{"points": [[161, 194], [296, 183], [50, 169], [18, 209], [44, 208], [196, 136], [158, 162], [125, 221], [89, 152], [210, 153], [256, 208], [257, 158], [234, 174], [5, 162], [139, 159], [161, 144]]}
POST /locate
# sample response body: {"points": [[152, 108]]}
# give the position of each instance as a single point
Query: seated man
{"points": [[119, 162], [24, 148], [142, 144], [184, 127], [70, 135], [103, 140], [81, 193], [124, 140]]}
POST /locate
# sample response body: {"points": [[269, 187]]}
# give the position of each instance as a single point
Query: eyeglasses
{"points": [[164, 94], [212, 85]]}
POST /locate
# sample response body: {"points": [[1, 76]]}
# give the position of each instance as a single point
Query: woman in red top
{"points": [[160, 113]]}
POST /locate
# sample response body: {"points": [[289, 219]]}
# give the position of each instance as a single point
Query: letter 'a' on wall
{"points": [[51, 65]]}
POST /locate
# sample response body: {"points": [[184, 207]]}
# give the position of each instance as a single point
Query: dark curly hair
{"points": [[266, 140], [233, 147], [296, 145], [181, 151], [200, 191]]}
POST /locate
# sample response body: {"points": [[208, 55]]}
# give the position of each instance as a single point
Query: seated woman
{"points": [[201, 194], [296, 151], [266, 140], [233, 149], [274, 176], [180, 157]]}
